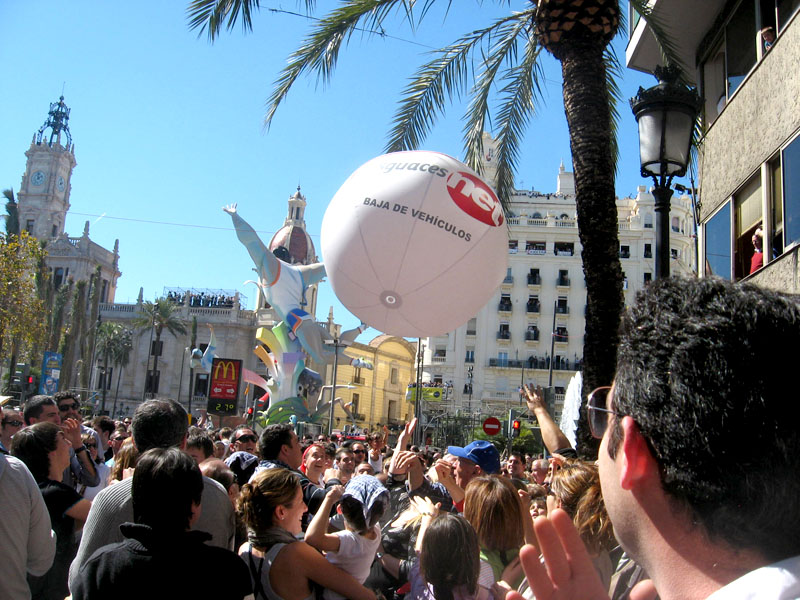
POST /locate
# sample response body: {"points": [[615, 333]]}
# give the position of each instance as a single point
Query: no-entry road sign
{"points": [[491, 426]]}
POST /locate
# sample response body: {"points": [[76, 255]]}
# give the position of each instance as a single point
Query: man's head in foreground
{"points": [[700, 451], [478, 458]]}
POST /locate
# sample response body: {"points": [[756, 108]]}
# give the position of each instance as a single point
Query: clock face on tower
{"points": [[61, 184], [37, 178]]}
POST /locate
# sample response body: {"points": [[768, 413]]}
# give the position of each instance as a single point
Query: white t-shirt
{"points": [[355, 555]]}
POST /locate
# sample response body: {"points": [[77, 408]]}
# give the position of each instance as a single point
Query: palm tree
{"points": [[577, 33], [157, 316], [114, 344]]}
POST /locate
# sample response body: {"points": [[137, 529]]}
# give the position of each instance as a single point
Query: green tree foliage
{"points": [[73, 336], [89, 349], [114, 344], [12, 216], [22, 312]]}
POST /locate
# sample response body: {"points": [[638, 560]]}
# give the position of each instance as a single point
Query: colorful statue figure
{"points": [[284, 287]]}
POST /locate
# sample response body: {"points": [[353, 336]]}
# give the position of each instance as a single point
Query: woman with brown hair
{"points": [[495, 509], [281, 567], [575, 488], [124, 462]]}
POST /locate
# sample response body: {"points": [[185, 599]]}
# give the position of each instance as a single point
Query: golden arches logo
{"points": [[225, 365]]}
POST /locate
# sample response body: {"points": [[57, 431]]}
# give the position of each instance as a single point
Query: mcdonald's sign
{"points": [[223, 393]]}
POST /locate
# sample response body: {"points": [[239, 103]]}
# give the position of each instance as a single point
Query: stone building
{"points": [[749, 159], [531, 331]]}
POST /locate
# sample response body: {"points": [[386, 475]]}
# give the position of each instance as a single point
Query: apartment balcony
{"points": [[505, 307], [471, 332], [503, 336], [532, 307], [358, 381], [508, 280], [648, 254], [532, 336], [469, 360], [562, 281], [438, 360], [562, 310], [534, 280], [624, 253]]}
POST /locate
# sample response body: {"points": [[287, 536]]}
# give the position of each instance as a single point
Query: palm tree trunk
{"points": [[588, 117], [155, 362]]}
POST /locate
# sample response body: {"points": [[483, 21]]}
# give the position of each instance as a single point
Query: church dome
{"points": [[293, 235]]}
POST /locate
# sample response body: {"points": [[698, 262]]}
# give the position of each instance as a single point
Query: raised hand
{"points": [[230, 209]]}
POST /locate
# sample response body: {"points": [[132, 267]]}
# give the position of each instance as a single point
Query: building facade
{"points": [[532, 329], [749, 158]]}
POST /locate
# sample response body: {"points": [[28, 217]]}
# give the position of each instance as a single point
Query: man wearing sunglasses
{"points": [[11, 423], [700, 449], [244, 439]]}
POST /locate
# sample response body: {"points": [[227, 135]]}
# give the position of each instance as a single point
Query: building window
{"points": [[535, 248], [393, 377], [564, 249], [563, 277], [505, 303], [512, 246], [791, 191], [104, 291], [561, 306], [534, 278], [533, 304], [357, 378], [624, 251], [648, 251], [648, 277], [201, 384], [747, 218], [54, 231], [29, 226], [58, 277], [472, 326], [504, 333], [648, 221], [156, 348], [674, 254], [718, 243], [509, 278], [561, 334], [437, 380], [470, 355], [502, 361], [532, 334], [625, 282]]}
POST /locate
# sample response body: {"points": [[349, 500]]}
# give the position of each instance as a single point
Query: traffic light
{"points": [[516, 424], [31, 385], [19, 380]]}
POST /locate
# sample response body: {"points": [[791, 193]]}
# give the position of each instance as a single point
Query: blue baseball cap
{"points": [[482, 453]]}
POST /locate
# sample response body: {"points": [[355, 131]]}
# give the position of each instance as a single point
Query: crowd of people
{"points": [[693, 494], [202, 299]]}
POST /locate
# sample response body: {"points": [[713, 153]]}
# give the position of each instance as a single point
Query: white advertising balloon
{"points": [[414, 243]]}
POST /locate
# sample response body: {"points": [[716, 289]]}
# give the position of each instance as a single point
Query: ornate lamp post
{"points": [[666, 114]]}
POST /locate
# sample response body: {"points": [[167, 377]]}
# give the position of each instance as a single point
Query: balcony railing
{"points": [[469, 359], [505, 363], [534, 251], [508, 280], [504, 307], [503, 335], [532, 336], [624, 253], [561, 338], [438, 360], [532, 307], [534, 280], [562, 281], [562, 310], [471, 332], [358, 380], [648, 254]]}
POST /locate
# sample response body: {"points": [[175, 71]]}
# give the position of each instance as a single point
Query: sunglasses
{"points": [[119, 439], [246, 438], [12, 423], [598, 413], [91, 445], [66, 407], [358, 451]]}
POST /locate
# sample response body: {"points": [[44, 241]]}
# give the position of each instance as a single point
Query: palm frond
{"points": [[503, 51], [614, 72], [664, 38], [520, 98], [320, 50], [435, 82], [212, 15]]}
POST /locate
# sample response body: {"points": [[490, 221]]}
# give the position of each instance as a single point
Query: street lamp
{"points": [[666, 114]]}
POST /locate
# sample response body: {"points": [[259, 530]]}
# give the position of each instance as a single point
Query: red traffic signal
{"points": [[249, 411], [515, 427]]}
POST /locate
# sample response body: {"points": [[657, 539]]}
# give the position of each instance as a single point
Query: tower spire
{"points": [[58, 122]]}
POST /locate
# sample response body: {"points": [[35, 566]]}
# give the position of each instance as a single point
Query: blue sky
{"points": [[168, 128]]}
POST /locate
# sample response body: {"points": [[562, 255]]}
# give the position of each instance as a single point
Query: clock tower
{"points": [[43, 202], [44, 194]]}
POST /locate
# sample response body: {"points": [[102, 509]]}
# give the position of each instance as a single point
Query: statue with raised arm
{"points": [[284, 286]]}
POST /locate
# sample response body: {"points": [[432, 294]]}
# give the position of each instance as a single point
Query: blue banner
{"points": [[51, 373]]}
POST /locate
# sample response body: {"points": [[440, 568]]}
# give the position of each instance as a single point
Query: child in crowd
{"points": [[361, 503]]}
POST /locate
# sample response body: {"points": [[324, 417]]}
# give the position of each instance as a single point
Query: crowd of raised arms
{"points": [[693, 493]]}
